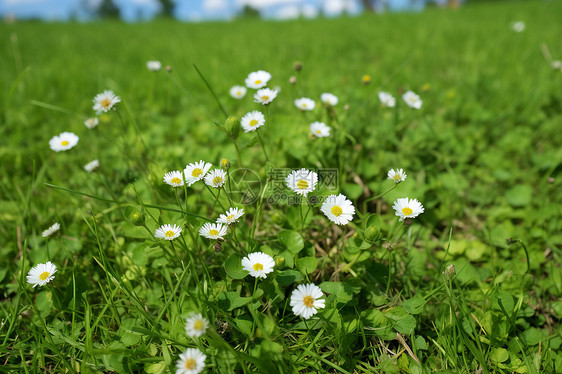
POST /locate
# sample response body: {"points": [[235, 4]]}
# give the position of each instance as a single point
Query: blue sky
{"points": [[193, 10]]}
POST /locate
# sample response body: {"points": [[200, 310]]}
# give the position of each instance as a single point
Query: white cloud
{"points": [[145, 2], [309, 11], [260, 4], [336, 7], [288, 12], [22, 2], [212, 5]]}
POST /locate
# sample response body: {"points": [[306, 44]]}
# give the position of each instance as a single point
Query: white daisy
{"points": [[153, 65], [257, 79], [397, 176], [192, 361], [174, 178], [51, 230], [319, 129], [213, 231], [302, 181], [92, 165], [387, 99], [168, 232], [238, 92], [304, 104], [252, 121], [231, 216], [407, 208], [329, 99], [41, 274], [196, 325], [265, 96], [556, 65], [306, 301], [215, 178], [412, 100], [91, 122], [196, 171], [105, 101], [338, 209], [63, 142], [258, 264], [518, 26]]}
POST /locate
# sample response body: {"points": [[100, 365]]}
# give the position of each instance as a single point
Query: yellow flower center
{"points": [[217, 180], [336, 211], [198, 325], [396, 177], [238, 93], [44, 275], [318, 131], [304, 105], [258, 267], [64, 142], [253, 122], [175, 180], [169, 233], [302, 184], [190, 364], [407, 211], [106, 103], [196, 172], [258, 81], [229, 217], [308, 301], [264, 98], [213, 232]]}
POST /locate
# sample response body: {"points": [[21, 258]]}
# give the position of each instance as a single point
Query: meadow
{"points": [[472, 284]]}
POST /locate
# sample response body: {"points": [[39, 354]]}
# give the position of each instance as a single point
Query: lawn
{"points": [[472, 284]]}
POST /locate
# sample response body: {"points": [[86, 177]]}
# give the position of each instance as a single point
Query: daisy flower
{"points": [[265, 96], [518, 26], [91, 122], [216, 178], [51, 230], [213, 231], [252, 121], [338, 209], [174, 178], [302, 181], [306, 301], [168, 232], [397, 176], [92, 165], [329, 99], [196, 325], [258, 264], [412, 100], [196, 171], [556, 64], [192, 361], [41, 274], [407, 208], [319, 129], [63, 142], [105, 101], [304, 104], [153, 65], [231, 216], [387, 99], [238, 92], [257, 79]]}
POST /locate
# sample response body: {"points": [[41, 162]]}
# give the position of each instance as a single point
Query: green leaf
{"points": [[287, 277], [232, 300], [233, 267], [420, 343], [499, 355], [403, 322], [376, 322], [519, 195], [292, 240], [342, 291], [414, 305], [307, 264]]}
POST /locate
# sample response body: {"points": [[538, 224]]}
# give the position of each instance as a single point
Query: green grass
{"points": [[482, 155]]}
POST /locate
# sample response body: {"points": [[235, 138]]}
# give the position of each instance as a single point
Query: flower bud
{"points": [[280, 262], [366, 79], [138, 218], [297, 66], [168, 68], [450, 271], [232, 125], [293, 79], [225, 164], [372, 233]]}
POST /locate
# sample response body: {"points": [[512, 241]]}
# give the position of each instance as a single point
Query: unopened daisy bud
{"points": [[168, 68], [138, 218], [292, 79], [551, 180], [366, 79], [450, 271], [372, 233], [346, 107], [297, 66], [232, 125], [280, 262], [225, 164]]}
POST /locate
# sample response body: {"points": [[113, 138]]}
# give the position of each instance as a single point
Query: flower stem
{"points": [[262, 145]]}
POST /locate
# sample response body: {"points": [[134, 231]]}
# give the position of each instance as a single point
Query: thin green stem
{"points": [[262, 145]]}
